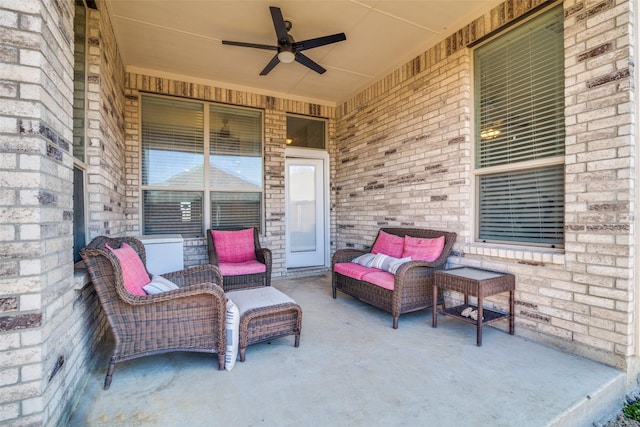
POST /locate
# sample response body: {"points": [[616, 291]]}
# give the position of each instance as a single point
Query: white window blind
{"points": [[523, 206], [236, 149], [172, 143], [172, 212], [519, 95], [236, 167], [181, 195], [520, 80], [233, 210]]}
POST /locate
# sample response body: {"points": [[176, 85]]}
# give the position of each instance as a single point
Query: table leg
{"points": [[434, 314], [479, 323], [511, 312]]}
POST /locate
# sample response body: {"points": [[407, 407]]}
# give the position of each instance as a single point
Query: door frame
{"points": [[307, 153]]}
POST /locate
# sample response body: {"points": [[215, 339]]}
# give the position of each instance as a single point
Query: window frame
{"points": [[527, 165], [207, 187], [80, 164]]}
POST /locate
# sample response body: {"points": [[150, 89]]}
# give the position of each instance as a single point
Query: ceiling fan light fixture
{"points": [[286, 56], [490, 133]]}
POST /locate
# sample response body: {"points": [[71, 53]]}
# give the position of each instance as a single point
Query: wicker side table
{"points": [[480, 284]]}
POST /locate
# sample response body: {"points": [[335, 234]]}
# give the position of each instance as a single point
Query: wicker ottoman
{"points": [[265, 314]]}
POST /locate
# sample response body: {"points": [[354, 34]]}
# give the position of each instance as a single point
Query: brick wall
{"points": [[600, 165], [36, 203], [400, 155], [404, 158], [275, 110], [105, 128], [84, 328], [49, 324]]}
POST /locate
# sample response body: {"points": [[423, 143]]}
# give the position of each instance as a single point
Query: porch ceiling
{"points": [[183, 38]]}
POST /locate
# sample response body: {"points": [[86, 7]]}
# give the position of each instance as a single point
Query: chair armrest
{"points": [[264, 256], [419, 264], [193, 275], [196, 290], [346, 255], [414, 274], [202, 279]]}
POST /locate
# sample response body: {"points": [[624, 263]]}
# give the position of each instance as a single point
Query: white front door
{"points": [[305, 213]]}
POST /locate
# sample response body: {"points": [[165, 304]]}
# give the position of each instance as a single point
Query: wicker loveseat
{"points": [[411, 287]]}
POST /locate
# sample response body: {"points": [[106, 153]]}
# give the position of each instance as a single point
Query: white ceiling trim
{"points": [[224, 85]]}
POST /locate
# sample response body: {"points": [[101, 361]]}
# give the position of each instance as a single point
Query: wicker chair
{"points": [[413, 282], [242, 281], [191, 318]]}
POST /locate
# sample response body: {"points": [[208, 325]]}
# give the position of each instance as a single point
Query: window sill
{"points": [[518, 253], [80, 276]]}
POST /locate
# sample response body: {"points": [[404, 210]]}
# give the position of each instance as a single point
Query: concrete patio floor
{"points": [[353, 369]]}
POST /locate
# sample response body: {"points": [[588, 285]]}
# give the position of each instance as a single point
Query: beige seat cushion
{"points": [[248, 299]]}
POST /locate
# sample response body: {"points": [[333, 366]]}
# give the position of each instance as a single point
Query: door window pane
{"points": [[302, 209]]}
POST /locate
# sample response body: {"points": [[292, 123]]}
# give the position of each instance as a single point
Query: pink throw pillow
{"points": [[234, 246], [133, 272], [388, 244], [423, 249]]}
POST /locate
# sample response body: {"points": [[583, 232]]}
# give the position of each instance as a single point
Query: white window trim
{"points": [[82, 164]]}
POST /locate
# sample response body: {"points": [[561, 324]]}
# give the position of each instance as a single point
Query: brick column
{"points": [[36, 271]]}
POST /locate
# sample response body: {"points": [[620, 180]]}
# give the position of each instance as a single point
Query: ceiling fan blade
{"points": [[278, 24], [308, 62], [274, 61], [254, 45], [320, 41]]}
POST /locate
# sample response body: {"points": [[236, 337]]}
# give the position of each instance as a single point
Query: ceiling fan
{"points": [[288, 49]]}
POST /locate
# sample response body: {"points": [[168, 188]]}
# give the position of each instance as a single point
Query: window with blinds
{"points": [[519, 133], [183, 194]]}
